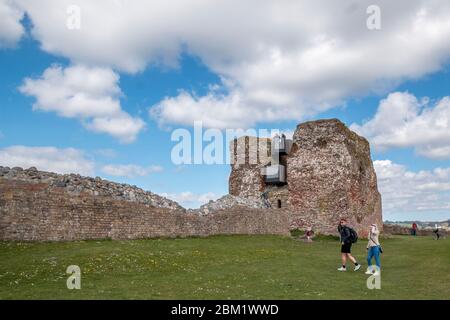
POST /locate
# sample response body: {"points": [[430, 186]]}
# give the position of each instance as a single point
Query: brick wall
{"points": [[36, 211]]}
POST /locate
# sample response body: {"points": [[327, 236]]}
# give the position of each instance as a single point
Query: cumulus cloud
{"points": [[191, 200], [215, 111], [11, 30], [129, 170], [405, 191], [51, 159], [276, 60], [90, 94], [106, 153], [403, 120]]}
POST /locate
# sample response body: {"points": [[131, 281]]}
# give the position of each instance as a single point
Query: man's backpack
{"points": [[353, 235]]}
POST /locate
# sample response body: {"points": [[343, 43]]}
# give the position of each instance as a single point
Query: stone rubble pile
{"points": [[226, 202], [76, 184]]}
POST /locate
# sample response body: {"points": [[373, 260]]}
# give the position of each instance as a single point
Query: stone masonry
{"points": [[329, 175], [249, 155], [31, 211], [75, 184]]}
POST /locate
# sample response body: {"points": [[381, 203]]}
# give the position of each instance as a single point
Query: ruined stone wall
{"points": [[37, 211], [249, 155], [75, 184], [278, 196], [330, 175]]}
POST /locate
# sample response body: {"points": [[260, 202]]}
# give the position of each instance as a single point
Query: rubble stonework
{"points": [[329, 175], [249, 156], [38, 211], [75, 184], [228, 201]]}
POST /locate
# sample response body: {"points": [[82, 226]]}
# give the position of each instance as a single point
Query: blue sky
{"points": [[210, 79]]}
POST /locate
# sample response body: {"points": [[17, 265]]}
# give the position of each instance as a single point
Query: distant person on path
{"points": [[348, 236], [436, 233], [414, 229], [373, 250], [309, 234]]}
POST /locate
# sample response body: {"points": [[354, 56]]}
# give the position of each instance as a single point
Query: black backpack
{"points": [[353, 235]]}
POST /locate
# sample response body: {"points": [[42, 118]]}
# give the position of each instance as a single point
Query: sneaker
{"points": [[342, 269], [357, 267], [368, 271]]}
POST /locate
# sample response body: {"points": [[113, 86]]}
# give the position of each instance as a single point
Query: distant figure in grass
{"points": [[436, 233], [309, 234], [414, 229], [348, 237], [373, 250]]}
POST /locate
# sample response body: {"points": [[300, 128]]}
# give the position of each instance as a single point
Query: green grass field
{"points": [[222, 267]]}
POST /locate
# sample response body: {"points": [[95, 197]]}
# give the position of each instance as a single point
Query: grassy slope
{"points": [[222, 267]]}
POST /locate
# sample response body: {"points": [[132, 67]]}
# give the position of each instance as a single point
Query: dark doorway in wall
{"points": [[279, 203]]}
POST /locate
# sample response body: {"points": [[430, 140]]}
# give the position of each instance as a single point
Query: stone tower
{"points": [[248, 156], [329, 175]]}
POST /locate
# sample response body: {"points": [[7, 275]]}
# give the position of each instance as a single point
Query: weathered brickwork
{"points": [[38, 211], [278, 196], [75, 184], [248, 156], [329, 175]]}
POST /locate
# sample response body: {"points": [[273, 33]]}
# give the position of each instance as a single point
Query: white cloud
{"points": [[122, 126], [412, 193], [277, 59], [191, 200], [89, 94], [11, 30], [51, 159], [107, 153], [129, 170], [402, 120], [435, 152], [216, 111]]}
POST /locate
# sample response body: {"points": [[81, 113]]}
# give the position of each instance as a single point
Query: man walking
{"points": [[346, 242], [436, 233]]}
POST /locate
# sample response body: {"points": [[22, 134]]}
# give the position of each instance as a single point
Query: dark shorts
{"points": [[346, 248]]}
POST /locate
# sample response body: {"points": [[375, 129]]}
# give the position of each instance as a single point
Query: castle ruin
{"points": [[323, 174]]}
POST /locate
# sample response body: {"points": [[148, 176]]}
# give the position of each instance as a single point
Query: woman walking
{"points": [[373, 250]]}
